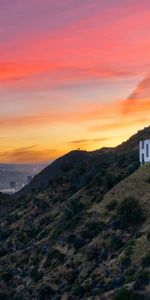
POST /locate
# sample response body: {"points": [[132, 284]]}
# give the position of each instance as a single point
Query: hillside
{"points": [[78, 168], [81, 229]]}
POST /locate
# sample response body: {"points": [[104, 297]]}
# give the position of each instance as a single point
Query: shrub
{"points": [[112, 205], [93, 229], [7, 276], [45, 292], [46, 220], [116, 243], [78, 290], [148, 236], [148, 180], [74, 207], [55, 254], [124, 294], [129, 275], [99, 198], [129, 213], [3, 295], [143, 275], [129, 247], [36, 276], [93, 253], [54, 257], [146, 260], [3, 252], [125, 260], [40, 204]]}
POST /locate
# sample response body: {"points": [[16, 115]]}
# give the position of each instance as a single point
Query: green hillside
{"points": [[79, 238]]}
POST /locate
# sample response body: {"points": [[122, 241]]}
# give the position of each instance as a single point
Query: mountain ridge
{"points": [[83, 235]]}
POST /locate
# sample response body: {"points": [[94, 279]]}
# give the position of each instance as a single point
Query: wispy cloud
{"points": [[87, 142], [30, 154]]}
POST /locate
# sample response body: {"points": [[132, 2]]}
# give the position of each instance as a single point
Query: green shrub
{"points": [[95, 227], [7, 276], [46, 220], [148, 236], [148, 180], [143, 274], [78, 290], [129, 213], [74, 207], [112, 205], [92, 230], [40, 204], [129, 275], [146, 260], [54, 257], [125, 260], [124, 294], [3, 252], [99, 198], [36, 275], [93, 253], [4, 296], [129, 247], [116, 243]]}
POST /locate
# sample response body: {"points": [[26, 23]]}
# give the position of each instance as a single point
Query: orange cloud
{"points": [[30, 154], [85, 112], [136, 106], [86, 142], [120, 124]]}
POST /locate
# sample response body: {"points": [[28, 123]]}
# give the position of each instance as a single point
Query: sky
{"points": [[73, 74]]}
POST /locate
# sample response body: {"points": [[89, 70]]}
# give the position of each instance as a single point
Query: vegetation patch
{"points": [[129, 213], [124, 294]]}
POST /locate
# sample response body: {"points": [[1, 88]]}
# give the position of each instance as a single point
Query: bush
{"points": [[54, 257], [129, 213], [45, 292], [3, 252], [129, 275], [112, 205], [36, 276], [40, 204], [146, 260], [3, 295], [99, 198], [116, 243], [125, 260], [143, 275], [148, 236], [7, 276], [74, 207], [93, 253], [93, 229], [129, 247], [78, 290], [124, 294]]}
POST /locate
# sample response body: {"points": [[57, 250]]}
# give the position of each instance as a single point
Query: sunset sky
{"points": [[73, 74]]}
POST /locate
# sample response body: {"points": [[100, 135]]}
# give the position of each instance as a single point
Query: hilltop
{"points": [[81, 229]]}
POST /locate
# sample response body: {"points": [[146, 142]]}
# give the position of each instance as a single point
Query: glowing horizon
{"points": [[73, 74]]}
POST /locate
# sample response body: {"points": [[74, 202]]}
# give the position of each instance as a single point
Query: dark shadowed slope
{"points": [[84, 234]]}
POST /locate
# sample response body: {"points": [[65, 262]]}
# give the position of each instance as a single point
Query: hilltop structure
{"points": [[144, 151]]}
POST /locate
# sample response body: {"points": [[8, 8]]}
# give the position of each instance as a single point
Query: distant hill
{"points": [[80, 229]]}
